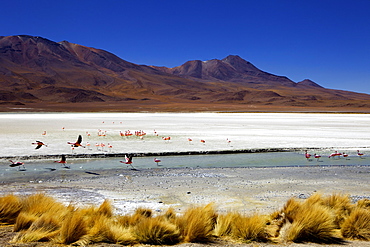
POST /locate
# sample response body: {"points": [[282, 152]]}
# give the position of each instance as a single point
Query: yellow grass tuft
{"points": [[40, 203], [196, 224], [291, 208], [10, 207], [357, 225], [363, 203], [317, 219], [24, 221], [43, 228], [312, 223], [144, 212], [249, 228], [341, 206], [224, 224], [156, 231], [106, 230], [106, 209], [73, 228]]}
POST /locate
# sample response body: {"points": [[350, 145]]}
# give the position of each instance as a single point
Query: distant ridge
{"points": [[41, 74]]}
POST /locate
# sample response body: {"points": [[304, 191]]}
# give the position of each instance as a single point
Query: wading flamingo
{"points": [[157, 161], [359, 154], [77, 143], [307, 155], [228, 141], [203, 141], [19, 164], [317, 156], [128, 161], [39, 144], [335, 154], [168, 138], [345, 156], [63, 161], [190, 140]]}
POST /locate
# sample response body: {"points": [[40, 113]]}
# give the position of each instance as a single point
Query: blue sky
{"points": [[327, 41]]}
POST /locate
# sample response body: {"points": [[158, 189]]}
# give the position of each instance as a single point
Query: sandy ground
{"points": [[247, 190]]}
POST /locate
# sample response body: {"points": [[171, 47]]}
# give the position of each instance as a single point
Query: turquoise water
{"points": [[276, 159]]}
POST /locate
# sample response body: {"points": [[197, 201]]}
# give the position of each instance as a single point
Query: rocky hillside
{"points": [[37, 71]]}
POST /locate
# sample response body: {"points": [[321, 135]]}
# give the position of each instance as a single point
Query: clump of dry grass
{"points": [[317, 219], [341, 206], [249, 228], [224, 224], [107, 230], [73, 228], [363, 203], [357, 225], [197, 223], [10, 207], [291, 208], [44, 228], [312, 223], [33, 207], [156, 231]]}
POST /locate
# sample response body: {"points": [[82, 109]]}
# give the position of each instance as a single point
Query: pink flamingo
{"points": [[19, 164], [335, 154], [307, 155], [345, 156], [203, 141], [168, 138], [359, 154], [77, 143], [44, 133], [228, 141], [190, 140], [110, 147], [39, 144], [317, 156], [128, 161], [63, 161], [157, 161]]}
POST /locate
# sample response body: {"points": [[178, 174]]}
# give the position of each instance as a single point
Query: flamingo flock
{"points": [[107, 134], [335, 155]]}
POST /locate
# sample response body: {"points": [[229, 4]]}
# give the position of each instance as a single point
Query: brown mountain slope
{"points": [[44, 75]]}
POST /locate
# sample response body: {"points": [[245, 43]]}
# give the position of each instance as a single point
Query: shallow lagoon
{"points": [[321, 133]]}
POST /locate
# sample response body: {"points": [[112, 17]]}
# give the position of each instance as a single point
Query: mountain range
{"points": [[37, 74]]}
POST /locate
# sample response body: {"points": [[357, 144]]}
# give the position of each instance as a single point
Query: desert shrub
{"points": [[197, 223], [224, 224], [291, 208], [39, 204], [363, 203], [357, 225], [312, 223], [105, 209], [249, 228], [43, 228], [73, 228], [106, 229], [156, 231], [24, 221], [275, 222], [33, 207], [144, 212], [315, 198], [169, 215], [10, 207], [341, 206]]}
